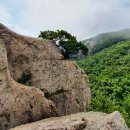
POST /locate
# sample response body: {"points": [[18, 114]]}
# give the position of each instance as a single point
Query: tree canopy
{"points": [[67, 40]]}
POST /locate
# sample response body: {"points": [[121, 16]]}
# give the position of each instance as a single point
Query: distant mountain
{"points": [[105, 40]]}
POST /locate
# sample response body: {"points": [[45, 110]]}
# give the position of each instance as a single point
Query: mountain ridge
{"points": [[104, 40]]}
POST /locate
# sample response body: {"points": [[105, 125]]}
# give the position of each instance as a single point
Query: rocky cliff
{"points": [[29, 65], [79, 121], [39, 63], [18, 103]]}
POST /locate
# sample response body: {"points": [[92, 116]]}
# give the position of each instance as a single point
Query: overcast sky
{"points": [[82, 18]]}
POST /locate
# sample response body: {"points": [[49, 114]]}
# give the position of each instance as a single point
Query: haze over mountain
{"points": [[105, 40], [84, 18]]}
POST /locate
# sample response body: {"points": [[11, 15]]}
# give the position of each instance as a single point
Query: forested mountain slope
{"points": [[105, 40], [109, 74]]}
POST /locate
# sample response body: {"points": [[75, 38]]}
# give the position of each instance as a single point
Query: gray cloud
{"points": [[82, 18]]}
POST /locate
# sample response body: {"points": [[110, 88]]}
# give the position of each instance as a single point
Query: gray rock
{"points": [[20, 104], [62, 81], [79, 121]]}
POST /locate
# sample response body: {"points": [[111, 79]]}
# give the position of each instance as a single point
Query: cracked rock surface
{"points": [[61, 80], [20, 104], [79, 121]]}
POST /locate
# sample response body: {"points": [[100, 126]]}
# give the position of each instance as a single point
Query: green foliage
{"points": [[100, 102], [105, 40], [71, 45], [54, 34], [26, 76], [109, 75]]}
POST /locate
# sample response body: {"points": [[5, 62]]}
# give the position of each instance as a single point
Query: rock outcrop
{"points": [[18, 103], [39, 63], [79, 121]]}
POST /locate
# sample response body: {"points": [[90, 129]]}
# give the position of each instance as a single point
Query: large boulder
{"points": [[20, 104], [79, 121], [39, 63]]}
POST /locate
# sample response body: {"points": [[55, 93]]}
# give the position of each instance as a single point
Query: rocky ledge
{"points": [[79, 121]]}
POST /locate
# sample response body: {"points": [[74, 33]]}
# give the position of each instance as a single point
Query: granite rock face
{"points": [[20, 104], [39, 63], [61, 80], [79, 121]]}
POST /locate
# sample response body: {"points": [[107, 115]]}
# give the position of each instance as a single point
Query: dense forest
{"points": [[105, 40], [109, 75]]}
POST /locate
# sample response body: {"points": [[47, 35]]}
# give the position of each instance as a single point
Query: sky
{"points": [[82, 18]]}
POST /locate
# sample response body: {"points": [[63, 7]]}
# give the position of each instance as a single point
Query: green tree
{"points": [[67, 40]]}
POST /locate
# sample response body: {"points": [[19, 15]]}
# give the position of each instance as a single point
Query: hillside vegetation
{"points": [[109, 74], [105, 40]]}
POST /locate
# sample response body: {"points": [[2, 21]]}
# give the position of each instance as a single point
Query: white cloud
{"points": [[6, 18], [83, 18], [4, 14]]}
